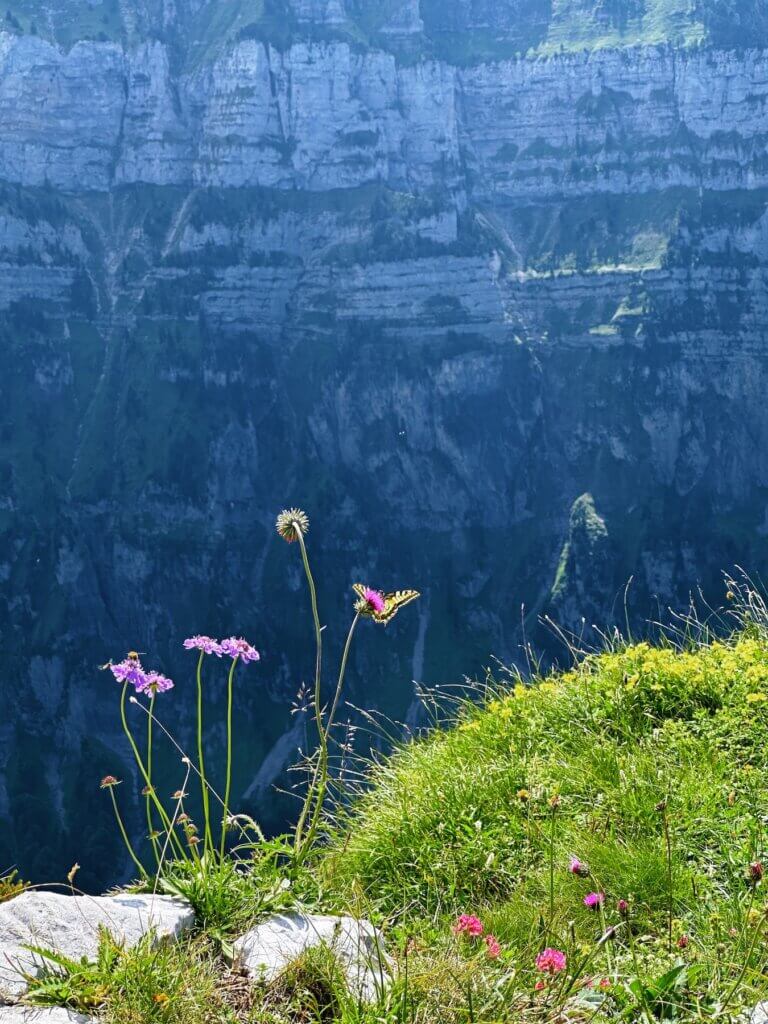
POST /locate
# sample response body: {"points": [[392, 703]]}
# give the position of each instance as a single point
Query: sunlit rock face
{"points": [[482, 286]]}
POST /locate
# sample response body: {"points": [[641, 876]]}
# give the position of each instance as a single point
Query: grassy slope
{"points": [[646, 763], [464, 822]]}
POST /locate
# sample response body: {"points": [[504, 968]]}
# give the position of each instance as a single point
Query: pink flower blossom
{"points": [[468, 924], [551, 961], [493, 947], [540, 985], [203, 643], [578, 867], [155, 682], [594, 900], [374, 598], [238, 648], [129, 670]]}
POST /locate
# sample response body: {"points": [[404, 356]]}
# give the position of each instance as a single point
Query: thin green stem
{"points": [[320, 789], [228, 783], [150, 823], [323, 752], [152, 794], [553, 810], [670, 877], [185, 760], [208, 837], [342, 672], [124, 834]]}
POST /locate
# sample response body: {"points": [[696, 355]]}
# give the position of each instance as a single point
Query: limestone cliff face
{"points": [[431, 271]]}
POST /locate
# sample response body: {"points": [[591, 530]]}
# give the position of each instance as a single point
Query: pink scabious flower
{"points": [[551, 961], [375, 599], [206, 644], [236, 647], [468, 924], [594, 900], [155, 682], [492, 946], [129, 670]]}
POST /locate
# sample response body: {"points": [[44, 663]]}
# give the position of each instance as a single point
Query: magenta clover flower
{"points": [[594, 900], [206, 644], [236, 647], [551, 961], [578, 867], [468, 924], [375, 599]]}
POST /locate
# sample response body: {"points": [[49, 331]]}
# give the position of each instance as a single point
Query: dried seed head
{"points": [[291, 523]]}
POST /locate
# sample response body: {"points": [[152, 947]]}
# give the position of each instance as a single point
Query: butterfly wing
{"points": [[393, 603]]}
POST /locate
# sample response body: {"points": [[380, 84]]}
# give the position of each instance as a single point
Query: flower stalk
{"points": [[228, 782], [201, 758]]}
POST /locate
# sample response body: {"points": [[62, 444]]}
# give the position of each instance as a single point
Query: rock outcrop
{"points": [[272, 946], [70, 925], [41, 1015]]}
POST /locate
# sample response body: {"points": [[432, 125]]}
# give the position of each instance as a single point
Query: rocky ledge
{"points": [[70, 925]]}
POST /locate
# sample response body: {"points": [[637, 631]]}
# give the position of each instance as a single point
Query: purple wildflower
{"points": [[375, 599], [203, 643], [130, 671], [155, 682], [578, 867], [236, 647], [594, 900]]}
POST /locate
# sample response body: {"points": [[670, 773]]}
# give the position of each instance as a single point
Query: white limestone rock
{"points": [[759, 1014], [70, 925], [41, 1015], [266, 950]]}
